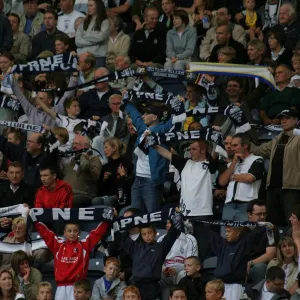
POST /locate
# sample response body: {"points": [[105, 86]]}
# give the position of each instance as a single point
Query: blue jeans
{"points": [[145, 195]]}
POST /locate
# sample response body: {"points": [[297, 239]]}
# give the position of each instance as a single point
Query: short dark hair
{"points": [[176, 288], [134, 211], [16, 16], [8, 55], [52, 12], [245, 140], [69, 102], [84, 284], [16, 132], [278, 34], [236, 79], [254, 202], [180, 13], [45, 165], [16, 164], [70, 222], [63, 38], [274, 273]]}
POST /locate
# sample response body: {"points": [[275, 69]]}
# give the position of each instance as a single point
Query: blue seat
{"points": [[160, 232]]}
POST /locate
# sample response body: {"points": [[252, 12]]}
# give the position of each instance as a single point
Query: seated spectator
{"points": [[296, 71], [214, 290], [61, 44], [67, 17], [210, 41], [15, 136], [45, 40], [110, 285], [82, 289], [118, 44], [70, 265], [166, 18], [83, 179], [181, 41], [173, 267], [116, 174], [7, 288], [282, 182], [45, 291], [177, 292], [32, 20], [131, 293], [227, 55], [15, 190], [86, 68], [224, 38], [149, 43], [250, 20], [115, 250], [287, 259], [93, 34], [95, 102], [272, 286], [20, 48], [54, 193], [283, 98], [192, 282], [278, 52], [264, 252], [24, 275]]}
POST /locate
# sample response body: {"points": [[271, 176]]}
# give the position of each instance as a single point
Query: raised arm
{"points": [[163, 152]]}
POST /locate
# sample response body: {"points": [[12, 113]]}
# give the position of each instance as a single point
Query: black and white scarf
{"points": [[23, 126], [10, 103], [271, 21]]}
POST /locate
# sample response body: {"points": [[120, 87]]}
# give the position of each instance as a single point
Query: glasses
{"points": [[260, 214], [221, 13]]}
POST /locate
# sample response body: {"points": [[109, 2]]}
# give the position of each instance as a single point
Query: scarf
{"points": [[10, 103], [207, 134], [271, 21], [57, 63], [13, 211], [251, 21], [23, 126]]}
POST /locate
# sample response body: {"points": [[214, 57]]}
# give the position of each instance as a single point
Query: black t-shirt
{"points": [[277, 162]]}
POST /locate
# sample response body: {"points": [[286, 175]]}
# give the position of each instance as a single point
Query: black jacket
{"points": [[148, 49], [24, 194], [233, 256], [91, 105], [121, 128], [6, 35], [148, 258], [31, 164], [241, 54], [292, 34], [194, 287], [44, 42]]}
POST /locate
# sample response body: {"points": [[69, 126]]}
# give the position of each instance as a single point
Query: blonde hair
{"points": [[228, 51], [296, 57], [218, 284], [45, 284], [117, 144], [19, 221], [62, 133], [289, 241]]}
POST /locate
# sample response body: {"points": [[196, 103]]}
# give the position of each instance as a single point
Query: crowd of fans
{"points": [[257, 181]]}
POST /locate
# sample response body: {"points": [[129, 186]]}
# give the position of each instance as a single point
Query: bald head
{"points": [[81, 142], [101, 86], [34, 144]]}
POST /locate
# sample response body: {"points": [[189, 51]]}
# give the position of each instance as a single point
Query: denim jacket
{"points": [[159, 166]]}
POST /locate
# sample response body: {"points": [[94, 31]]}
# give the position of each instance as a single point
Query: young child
{"points": [[178, 293], [82, 290], [14, 136], [214, 290], [44, 291], [192, 282], [110, 285], [71, 257], [148, 257], [131, 293]]}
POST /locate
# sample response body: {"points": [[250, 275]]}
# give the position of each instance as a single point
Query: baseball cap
{"points": [[288, 113], [155, 110]]}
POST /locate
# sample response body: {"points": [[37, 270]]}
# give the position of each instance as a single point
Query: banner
{"points": [[23, 126]]}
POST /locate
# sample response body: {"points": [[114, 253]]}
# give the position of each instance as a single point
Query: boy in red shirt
{"points": [[71, 257]]}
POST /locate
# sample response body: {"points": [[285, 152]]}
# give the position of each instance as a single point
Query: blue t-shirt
{"points": [[107, 284]]}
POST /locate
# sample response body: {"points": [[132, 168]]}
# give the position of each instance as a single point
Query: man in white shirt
{"points": [[67, 17], [243, 177], [270, 288]]}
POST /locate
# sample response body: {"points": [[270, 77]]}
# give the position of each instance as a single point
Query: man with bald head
{"points": [[30, 157], [224, 38], [95, 102]]}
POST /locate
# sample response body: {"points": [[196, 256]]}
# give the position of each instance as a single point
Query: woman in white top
{"points": [[8, 291], [287, 259], [93, 34]]}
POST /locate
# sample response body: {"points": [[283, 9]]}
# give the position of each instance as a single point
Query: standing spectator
{"points": [[67, 17], [25, 276], [45, 40], [270, 14], [95, 101], [7, 289], [209, 42], [181, 41], [149, 43], [282, 179], [243, 177], [6, 34], [15, 7], [93, 34], [118, 44], [32, 20], [54, 193], [263, 252], [20, 48], [168, 8]]}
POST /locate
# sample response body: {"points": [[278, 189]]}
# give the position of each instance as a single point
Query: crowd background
{"points": [[257, 181]]}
